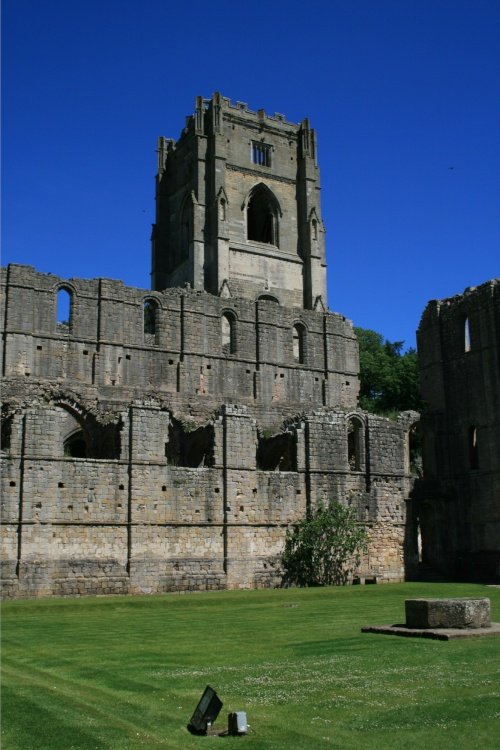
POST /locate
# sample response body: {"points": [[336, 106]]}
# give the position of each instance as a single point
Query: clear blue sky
{"points": [[404, 95]]}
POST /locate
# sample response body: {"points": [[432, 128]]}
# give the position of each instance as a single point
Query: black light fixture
{"points": [[205, 712]]}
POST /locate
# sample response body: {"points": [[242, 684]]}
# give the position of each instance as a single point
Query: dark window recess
{"points": [[150, 322], [6, 431], [277, 453], [92, 439], [75, 446], [192, 449], [473, 448], [262, 217]]}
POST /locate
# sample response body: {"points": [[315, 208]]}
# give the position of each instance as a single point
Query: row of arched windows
{"points": [[151, 327], [229, 339]]}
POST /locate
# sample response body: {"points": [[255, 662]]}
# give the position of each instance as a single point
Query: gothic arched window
{"points": [[150, 321], [228, 333], [64, 310], [298, 341], [262, 216], [354, 443]]}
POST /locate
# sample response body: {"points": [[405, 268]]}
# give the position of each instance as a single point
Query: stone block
{"points": [[448, 613]]}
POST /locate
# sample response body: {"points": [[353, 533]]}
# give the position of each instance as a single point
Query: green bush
{"points": [[324, 548]]}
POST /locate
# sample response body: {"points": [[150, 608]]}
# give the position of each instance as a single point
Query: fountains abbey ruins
{"points": [[165, 439]]}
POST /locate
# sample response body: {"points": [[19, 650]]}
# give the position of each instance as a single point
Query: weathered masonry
{"points": [[238, 208], [459, 354], [165, 440]]}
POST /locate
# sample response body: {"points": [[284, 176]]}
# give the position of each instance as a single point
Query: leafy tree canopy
{"points": [[324, 548], [389, 379]]}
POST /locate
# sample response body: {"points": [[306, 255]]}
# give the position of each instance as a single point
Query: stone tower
{"points": [[238, 207], [459, 354]]}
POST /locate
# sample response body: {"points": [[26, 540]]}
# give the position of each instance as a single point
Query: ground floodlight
{"points": [[205, 712], [237, 723]]}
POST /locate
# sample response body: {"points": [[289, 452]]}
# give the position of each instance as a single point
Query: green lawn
{"points": [[127, 672]]}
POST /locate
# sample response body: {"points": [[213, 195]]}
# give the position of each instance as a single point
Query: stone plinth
{"points": [[448, 613]]}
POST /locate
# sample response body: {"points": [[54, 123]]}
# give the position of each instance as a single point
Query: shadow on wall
{"points": [[277, 452], [192, 449]]}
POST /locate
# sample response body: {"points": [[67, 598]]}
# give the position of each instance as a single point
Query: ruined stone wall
{"points": [[139, 524], [459, 355], [104, 344], [146, 462]]}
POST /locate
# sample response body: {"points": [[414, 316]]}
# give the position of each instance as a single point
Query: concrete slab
{"points": [[439, 634]]}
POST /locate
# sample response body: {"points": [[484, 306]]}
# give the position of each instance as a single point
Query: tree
{"points": [[389, 378], [324, 548]]}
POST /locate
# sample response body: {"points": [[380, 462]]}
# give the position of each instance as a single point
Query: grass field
{"points": [[127, 672]]}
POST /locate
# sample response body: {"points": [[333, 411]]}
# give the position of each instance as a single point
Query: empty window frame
{"points": [[298, 342], [261, 154], [262, 217], [466, 335], [150, 321], [473, 448], [354, 443], [64, 310], [228, 333]]}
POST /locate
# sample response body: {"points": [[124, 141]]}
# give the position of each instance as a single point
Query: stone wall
{"points": [[143, 521], [459, 354], [104, 344]]}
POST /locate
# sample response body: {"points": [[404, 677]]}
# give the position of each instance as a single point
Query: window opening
{"points": [[262, 220], [6, 432], [354, 433], [75, 446], [277, 452], [261, 154], [466, 335], [298, 336], [193, 449], [150, 320], [64, 310], [222, 209], [473, 449], [228, 333]]}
